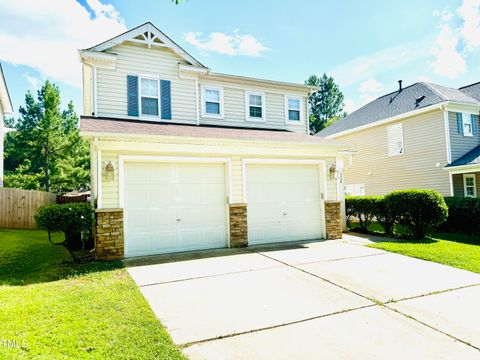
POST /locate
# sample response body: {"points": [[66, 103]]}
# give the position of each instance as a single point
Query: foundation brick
{"points": [[333, 220], [238, 225], [109, 241]]}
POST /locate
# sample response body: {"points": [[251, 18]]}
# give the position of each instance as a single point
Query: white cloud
{"points": [[447, 61], [34, 82], [45, 35], [233, 45], [370, 90], [469, 11], [349, 106], [424, 78]]}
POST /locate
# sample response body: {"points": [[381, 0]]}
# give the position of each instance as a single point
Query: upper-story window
{"points": [[212, 103], [149, 96], [293, 109], [395, 140], [255, 106], [467, 124]]}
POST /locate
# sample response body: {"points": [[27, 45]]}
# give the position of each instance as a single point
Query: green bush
{"points": [[418, 211], [363, 208], [463, 215], [72, 219], [385, 216]]}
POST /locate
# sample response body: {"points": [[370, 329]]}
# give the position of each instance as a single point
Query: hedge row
{"points": [[463, 215], [419, 211]]}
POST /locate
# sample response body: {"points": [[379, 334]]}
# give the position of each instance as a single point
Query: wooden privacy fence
{"points": [[18, 207]]}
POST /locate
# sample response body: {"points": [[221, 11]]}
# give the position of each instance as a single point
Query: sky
{"points": [[365, 45]]}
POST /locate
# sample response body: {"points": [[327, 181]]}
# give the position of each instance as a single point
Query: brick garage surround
{"points": [[238, 225], [333, 219], [109, 240]]}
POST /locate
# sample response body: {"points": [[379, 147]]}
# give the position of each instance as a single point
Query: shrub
{"points": [[463, 215], [364, 208], [384, 216], [71, 219], [419, 211]]}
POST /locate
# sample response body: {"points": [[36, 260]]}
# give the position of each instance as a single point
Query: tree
{"points": [[326, 103], [46, 150]]}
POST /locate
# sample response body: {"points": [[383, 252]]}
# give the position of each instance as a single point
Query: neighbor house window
{"points": [[467, 124], [255, 106], [149, 96], [469, 185], [212, 104], [395, 140], [293, 106], [355, 190]]}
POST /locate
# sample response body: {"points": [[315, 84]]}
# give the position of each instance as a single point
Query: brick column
{"points": [[109, 242], [238, 225], [333, 219]]}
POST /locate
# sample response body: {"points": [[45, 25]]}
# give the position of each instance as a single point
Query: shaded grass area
{"points": [[458, 250], [56, 308]]}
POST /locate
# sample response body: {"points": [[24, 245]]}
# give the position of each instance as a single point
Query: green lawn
{"points": [[57, 309], [457, 250]]}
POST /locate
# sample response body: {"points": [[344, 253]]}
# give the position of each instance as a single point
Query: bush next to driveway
{"points": [[363, 208], [463, 215], [420, 212]]}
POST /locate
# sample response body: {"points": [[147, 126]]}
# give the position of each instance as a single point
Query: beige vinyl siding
{"points": [[234, 105], [458, 186], [87, 90], [421, 166], [110, 188], [137, 60], [460, 144]]}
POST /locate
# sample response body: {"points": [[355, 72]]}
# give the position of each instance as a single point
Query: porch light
{"points": [[109, 172], [332, 170]]}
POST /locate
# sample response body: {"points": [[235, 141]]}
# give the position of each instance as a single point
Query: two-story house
{"points": [[183, 158], [6, 107], [421, 136]]}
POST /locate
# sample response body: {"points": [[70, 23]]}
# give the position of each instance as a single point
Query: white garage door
{"points": [[284, 203], [174, 207]]}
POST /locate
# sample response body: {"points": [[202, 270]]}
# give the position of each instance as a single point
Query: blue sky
{"points": [[365, 45]]}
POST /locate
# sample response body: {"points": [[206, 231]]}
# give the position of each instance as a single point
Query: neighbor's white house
{"points": [[183, 158], [6, 107]]}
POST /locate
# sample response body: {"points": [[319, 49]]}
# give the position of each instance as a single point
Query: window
{"points": [[293, 109], [149, 96], [212, 104], [467, 124], [355, 190], [255, 106], [469, 185], [395, 140]]}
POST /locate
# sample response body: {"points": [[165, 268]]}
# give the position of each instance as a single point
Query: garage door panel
{"points": [[283, 203], [174, 207]]}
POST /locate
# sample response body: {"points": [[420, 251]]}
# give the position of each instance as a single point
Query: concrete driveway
{"points": [[331, 299]]}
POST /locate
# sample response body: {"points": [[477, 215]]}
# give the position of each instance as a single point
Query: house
{"points": [[6, 107], [421, 136], [183, 158]]}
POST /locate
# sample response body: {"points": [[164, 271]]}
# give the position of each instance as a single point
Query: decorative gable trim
{"points": [[6, 102], [149, 35]]}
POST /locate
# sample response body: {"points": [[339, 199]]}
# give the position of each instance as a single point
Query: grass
{"points": [[458, 250], [58, 309]]}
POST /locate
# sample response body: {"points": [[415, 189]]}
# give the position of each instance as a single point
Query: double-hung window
{"points": [[395, 140], [469, 185], [255, 106], [212, 103], [149, 96], [467, 124], [293, 109]]}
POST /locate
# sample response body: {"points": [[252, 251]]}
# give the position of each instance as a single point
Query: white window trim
{"points": [[204, 104], [469, 176], [467, 119], [388, 140], [147, 116], [247, 106], [293, 97]]}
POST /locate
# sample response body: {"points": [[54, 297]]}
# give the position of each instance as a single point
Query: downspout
{"points": [[197, 101], [446, 124], [93, 98]]}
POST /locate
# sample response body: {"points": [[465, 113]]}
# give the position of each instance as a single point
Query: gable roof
{"points": [[154, 37], [5, 100], [472, 90], [414, 97], [470, 158]]}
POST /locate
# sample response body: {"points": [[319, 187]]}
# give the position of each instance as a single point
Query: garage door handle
{"points": [[178, 219], [284, 214]]}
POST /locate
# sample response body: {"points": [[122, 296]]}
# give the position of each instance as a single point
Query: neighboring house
{"points": [[6, 107], [191, 159], [421, 136]]}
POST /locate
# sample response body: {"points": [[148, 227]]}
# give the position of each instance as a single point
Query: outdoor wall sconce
{"points": [[332, 170], [109, 172]]}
